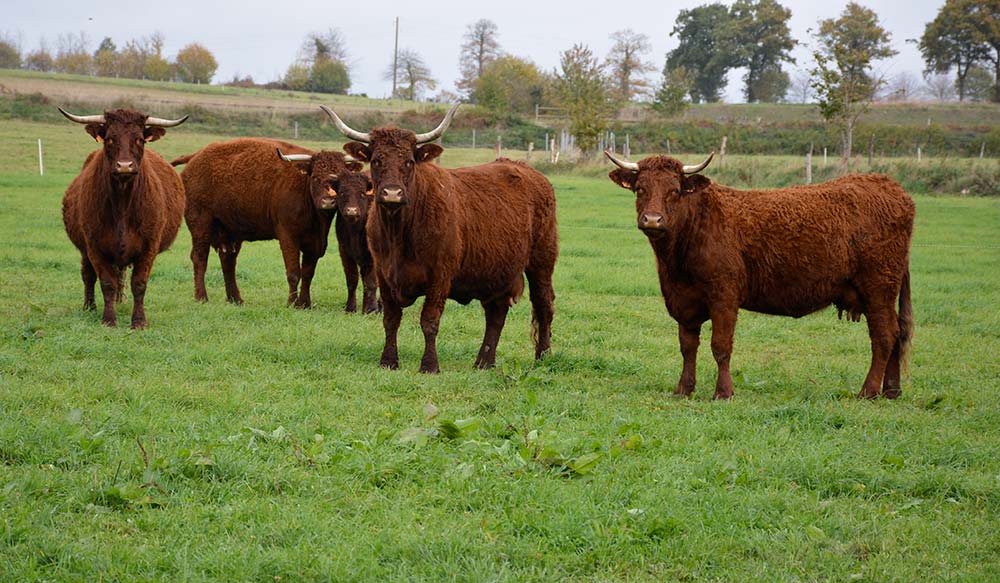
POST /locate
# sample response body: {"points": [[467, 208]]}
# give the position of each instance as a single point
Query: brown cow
{"points": [[787, 252], [124, 208], [465, 234], [354, 197], [240, 190]]}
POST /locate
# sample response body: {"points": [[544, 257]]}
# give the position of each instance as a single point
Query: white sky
{"points": [[261, 38]]}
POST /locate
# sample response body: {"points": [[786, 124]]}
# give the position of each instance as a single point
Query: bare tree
{"points": [[626, 67], [940, 87], [413, 74], [321, 46], [479, 48], [73, 54], [903, 87], [800, 90]]}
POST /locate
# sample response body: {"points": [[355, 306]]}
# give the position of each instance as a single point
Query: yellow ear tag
{"points": [[331, 191], [98, 139], [370, 192]]}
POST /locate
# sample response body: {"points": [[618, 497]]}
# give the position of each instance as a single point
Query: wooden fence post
{"points": [[531, 146], [918, 153], [627, 151], [499, 145], [41, 165], [871, 150], [824, 156], [809, 165], [722, 151], [982, 150], [473, 138]]}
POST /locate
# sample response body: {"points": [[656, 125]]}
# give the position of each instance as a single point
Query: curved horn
{"points": [[346, 129], [294, 157], [349, 158], [165, 123], [634, 167], [82, 118], [436, 132], [699, 167]]}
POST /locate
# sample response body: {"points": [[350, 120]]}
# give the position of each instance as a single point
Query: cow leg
{"points": [[89, 279], [309, 261], [108, 277], [140, 275], [200, 245], [228, 254], [290, 254], [370, 299], [430, 319], [496, 315], [542, 300], [689, 340], [391, 316], [723, 329], [892, 382], [351, 276], [883, 329]]}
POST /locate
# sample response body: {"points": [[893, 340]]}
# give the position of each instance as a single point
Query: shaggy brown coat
{"points": [[124, 208], [241, 190], [788, 252], [465, 234]]}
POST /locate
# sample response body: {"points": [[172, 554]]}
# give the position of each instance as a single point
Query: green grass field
{"points": [[261, 443]]}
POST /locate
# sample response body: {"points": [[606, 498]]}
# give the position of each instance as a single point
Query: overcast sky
{"points": [[261, 38]]}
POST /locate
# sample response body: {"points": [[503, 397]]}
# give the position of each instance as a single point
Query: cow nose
{"points": [[392, 195], [651, 221], [352, 211], [125, 167]]}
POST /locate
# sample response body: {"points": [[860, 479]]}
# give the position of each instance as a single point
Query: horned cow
{"points": [[788, 252], [465, 234], [241, 190], [124, 208]]}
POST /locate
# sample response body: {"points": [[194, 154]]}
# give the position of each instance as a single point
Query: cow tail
{"points": [[181, 160], [905, 321]]}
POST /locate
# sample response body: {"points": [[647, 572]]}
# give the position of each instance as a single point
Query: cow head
{"points": [[334, 180], [393, 155], [124, 133], [661, 186]]}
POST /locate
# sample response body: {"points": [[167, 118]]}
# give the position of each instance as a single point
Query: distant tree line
{"points": [[141, 58]]}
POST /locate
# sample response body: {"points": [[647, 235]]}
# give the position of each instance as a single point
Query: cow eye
{"points": [[109, 141], [409, 163], [640, 190], [376, 162]]}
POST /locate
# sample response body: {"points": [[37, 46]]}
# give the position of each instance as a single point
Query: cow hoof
{"points": [[109, 323], [892, 392], [235, 301], [351, 309], [430, 369], [389, 364], [722, 395], [869, 395], [139, 325], [372, 309], [89, 306], [484, 365], [682, 391]]}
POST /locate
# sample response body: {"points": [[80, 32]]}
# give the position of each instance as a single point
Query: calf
{"points": [[124, 208], [789, 252], [354, 198], [241, 190], [465, 234]]}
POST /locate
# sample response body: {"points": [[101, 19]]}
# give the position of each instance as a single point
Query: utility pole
{"points": [[395, 59]]}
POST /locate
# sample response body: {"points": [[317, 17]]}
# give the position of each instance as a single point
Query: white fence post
{"points": [[41, 165]]}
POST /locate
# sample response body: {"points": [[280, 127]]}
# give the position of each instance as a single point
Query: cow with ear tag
{"points": [[788, 252], [255, 189], [467, 234], [123, 209]]}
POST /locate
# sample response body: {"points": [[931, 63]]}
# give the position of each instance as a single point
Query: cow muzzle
{"points": [[352, 213], [652, 223], [391, 197], [125, 170]]}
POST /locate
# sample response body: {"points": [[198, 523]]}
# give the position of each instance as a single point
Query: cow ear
{"points": [[358, 150], [355, 166], [695, 183], [624, 178], [96, 131], [153, 133], [427, 152]]}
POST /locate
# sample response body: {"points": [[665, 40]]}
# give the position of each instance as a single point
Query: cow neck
{"points": [[120, 200], [682, 250]]}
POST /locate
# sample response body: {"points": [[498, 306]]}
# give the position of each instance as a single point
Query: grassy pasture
{"points": [[256, 443]]}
